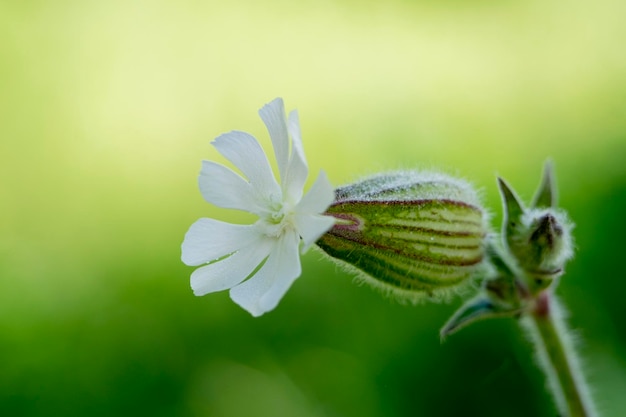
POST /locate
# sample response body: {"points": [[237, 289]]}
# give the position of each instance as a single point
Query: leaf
{"points": [[477, 309], [546, 194], [512, 226]]}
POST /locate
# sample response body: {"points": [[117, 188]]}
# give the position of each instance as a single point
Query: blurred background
{"points": [[107, 109]]}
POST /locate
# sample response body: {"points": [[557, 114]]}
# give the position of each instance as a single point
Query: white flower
{"points": [[234, 252]]}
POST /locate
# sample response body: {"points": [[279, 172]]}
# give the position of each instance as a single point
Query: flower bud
{"points": [[539, 237], [544, 242], [409, 233]]}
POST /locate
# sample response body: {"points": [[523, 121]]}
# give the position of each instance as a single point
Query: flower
{"points": [[265, 252]]}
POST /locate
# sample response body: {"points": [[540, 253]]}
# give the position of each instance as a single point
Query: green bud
{"points": [[539, 238], [545, 245], [412, 234]]}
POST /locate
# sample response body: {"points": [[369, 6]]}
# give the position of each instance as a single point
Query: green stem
{"points": [[558, 358]]}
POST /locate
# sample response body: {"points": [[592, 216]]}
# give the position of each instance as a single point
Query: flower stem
{"points": [[558, 358]]}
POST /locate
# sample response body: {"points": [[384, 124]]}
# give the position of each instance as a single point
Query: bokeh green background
{"points": [[107, 108]]}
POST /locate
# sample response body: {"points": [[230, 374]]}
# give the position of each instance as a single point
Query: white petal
{"points": [[319, 197], [224, 188], [244, 151], [228, 272], [297, 171], [262, 292], [273, 115], [209, 239], [312, 227]]}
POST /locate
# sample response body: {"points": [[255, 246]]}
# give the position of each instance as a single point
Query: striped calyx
{"points": [[409, 233]]}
